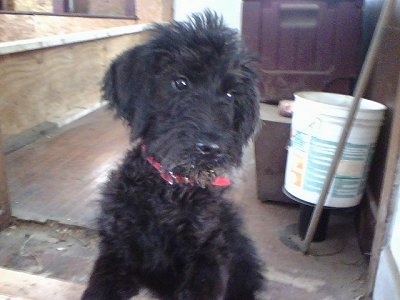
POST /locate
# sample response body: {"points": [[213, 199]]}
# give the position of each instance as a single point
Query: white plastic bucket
{"points": [[317, 124]]}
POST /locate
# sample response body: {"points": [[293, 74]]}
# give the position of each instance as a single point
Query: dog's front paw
{"points": [[100, 294], [190, 295], [90, 294], [185, 295]]}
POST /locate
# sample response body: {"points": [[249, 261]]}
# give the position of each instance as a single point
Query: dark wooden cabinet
{"points": [[304, 45], [270, 154]]}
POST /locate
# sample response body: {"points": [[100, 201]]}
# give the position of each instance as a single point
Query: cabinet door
{"points": [[304, 45]]}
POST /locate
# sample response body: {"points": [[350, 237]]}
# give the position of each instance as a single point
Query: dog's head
{"points": [[190, 94]]}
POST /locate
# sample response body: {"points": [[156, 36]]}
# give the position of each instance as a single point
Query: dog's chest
{"points": [[189, 218]]}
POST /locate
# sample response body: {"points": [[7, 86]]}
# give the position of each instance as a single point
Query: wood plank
{"points": [[48, 85], [23, 286], [386, 198], [33, 26], [18, 285]]}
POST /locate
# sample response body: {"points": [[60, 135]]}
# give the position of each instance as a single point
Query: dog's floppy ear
{"points": [[125, 87], [247, 115]]}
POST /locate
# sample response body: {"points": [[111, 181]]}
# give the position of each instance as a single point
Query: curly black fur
{"points": [[189, 95]]}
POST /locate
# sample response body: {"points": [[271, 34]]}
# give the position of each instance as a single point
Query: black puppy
{"points": [[190, 97]]}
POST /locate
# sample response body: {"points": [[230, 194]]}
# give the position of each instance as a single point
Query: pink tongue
{"points": [[221, 181]]}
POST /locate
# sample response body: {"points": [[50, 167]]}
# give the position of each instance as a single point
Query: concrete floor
{"points": [[334, 269]]}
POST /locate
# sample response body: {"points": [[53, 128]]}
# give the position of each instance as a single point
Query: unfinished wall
{"points": [[54, 84], [101, 7], [49, 84], [146, 10], [31, 5], [19, 26], [154, 10], [34, 26]]}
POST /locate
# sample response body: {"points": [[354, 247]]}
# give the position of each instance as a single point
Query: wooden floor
{"points": [[58, 176]]}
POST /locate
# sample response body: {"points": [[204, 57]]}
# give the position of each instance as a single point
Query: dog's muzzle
{"points": [[173, 178]]}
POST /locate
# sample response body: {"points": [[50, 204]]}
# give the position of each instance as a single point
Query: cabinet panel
{"points": [[304, 45]]}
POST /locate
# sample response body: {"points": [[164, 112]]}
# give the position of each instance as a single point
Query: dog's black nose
{"points": [[208, 148]]}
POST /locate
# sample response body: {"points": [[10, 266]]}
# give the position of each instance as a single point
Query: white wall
{"points": [[231, 10]]}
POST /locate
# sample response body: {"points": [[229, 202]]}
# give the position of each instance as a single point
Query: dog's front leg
{"points": [[206, 280], [110, 281]]}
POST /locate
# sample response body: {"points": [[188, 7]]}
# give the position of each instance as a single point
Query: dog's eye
{"points": [[180, 83], [230, 95]]}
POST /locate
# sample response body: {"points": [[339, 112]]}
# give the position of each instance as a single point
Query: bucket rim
{"points": [[311, 96]]}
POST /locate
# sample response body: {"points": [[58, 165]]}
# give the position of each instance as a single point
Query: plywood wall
{"points": [[17, 27], [101, 7], [45, 85], [154, 10], [147, 10], [32, 5], [20, 27]]}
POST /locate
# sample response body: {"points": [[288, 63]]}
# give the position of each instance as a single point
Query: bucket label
{"points": [[311, 158]]}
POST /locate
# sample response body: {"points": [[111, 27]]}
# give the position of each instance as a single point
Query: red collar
{"points": [[172, 178]]}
